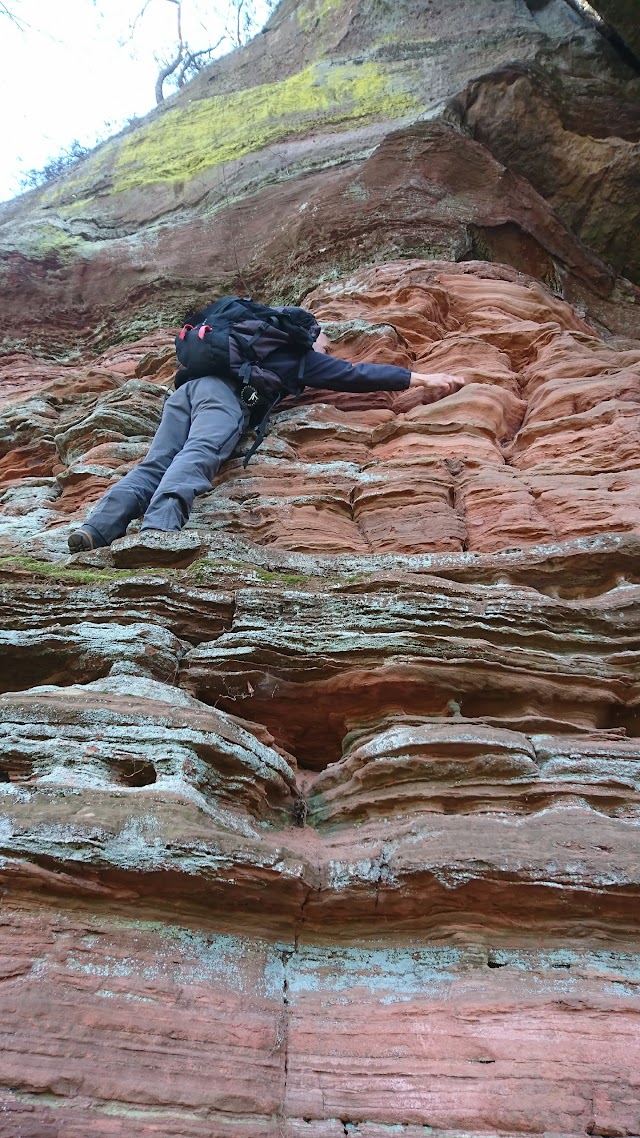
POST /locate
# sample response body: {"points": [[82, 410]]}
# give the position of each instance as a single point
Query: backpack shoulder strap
{"points": [[261, 430]]}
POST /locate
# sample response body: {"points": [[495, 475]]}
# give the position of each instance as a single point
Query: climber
{"points": [[204, 418]]}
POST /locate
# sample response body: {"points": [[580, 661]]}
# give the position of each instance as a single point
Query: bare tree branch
{"points": [[241, 13], [140, 15], [5, 10], [241, 23], [169, 68], [136, 20], [179, 6], [164, 73], [190, 61]]}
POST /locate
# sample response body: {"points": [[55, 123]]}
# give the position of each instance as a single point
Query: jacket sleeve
{"points": [[334, 374]]}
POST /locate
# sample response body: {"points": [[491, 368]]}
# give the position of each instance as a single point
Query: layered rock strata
{"points": [[320, 818], [350, 132]]}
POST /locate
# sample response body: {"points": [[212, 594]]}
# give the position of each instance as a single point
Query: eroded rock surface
{"points": [[349, 133], [540, 446], [321, 817]]}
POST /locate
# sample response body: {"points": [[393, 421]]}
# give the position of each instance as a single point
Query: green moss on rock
{"points": [[66, 574], [42, 240]]}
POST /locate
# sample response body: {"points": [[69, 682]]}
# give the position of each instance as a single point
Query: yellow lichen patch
{"points": [[76, 186], [77, 207], [207, 132], [42, 240]]}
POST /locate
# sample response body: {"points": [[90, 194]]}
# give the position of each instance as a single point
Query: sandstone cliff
{"points": [[348, 133], [320, 818]]}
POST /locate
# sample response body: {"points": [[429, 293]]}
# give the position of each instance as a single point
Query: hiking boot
{"points": [[85, 539]]}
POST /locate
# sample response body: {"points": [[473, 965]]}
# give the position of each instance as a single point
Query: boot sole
{"points": [[80, 542]]}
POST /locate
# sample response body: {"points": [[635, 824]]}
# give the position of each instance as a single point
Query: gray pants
{"points": [[201, 424]]}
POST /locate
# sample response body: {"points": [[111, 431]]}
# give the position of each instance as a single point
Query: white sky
{"points": [[69, 72]]}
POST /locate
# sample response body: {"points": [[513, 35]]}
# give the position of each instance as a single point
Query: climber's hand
{"points": [[322, 344], [436, 385]]}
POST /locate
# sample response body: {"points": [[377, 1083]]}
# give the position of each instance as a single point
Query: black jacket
{"points": [[333, 374]]}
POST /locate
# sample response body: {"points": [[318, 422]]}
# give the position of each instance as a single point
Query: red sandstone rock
{"points": [[441, 132], [510, 418], [382, 872], [590, 186]]}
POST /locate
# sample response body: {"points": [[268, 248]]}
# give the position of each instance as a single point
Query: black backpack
{"points": [[232, 338]]}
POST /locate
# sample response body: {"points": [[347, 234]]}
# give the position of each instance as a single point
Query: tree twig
{"points": [[190, 60], [5, 10]]}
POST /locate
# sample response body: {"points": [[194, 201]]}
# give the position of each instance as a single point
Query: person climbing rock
{"points": [[237, 355]]}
